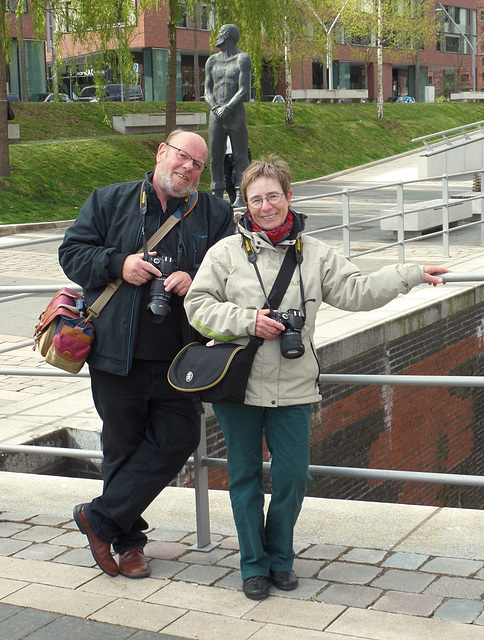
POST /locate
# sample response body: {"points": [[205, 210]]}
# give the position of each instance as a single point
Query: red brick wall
{"points": [[430, 429]]}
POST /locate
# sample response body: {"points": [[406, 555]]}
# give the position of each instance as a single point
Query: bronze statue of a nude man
{"points": [[227, 86]]}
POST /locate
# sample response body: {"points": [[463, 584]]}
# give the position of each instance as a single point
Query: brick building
{"points": [[447, 64], [34, 61]]}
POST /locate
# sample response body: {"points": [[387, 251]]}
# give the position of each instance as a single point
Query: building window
{"points": [[481, 16], [430, 80]]}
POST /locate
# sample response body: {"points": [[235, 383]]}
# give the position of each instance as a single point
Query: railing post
{"points": [[445, 216], [401, 223], [202, 506], [346, 224], [481, 173]]}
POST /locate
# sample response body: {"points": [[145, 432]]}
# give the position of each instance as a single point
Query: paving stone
{"points": [[466, 588], [209, 558], [141, 615], [206, 626], [413, 604], [202, 574], [77, 557], [347, 572], [197, 597], [349, 595], [452, 566], [40, 552], [166, 568], [38, 534], [307, 568], [9, 546], [165, 550], [455, 610], [309, 615], [24, 623], [58, 600], [50, 521], [231, 542], [8, 529], [323, 552], [231, 581], [66, 627], [232, 560], [74, 539], [8, 610], [191, 538], [123, 587], [166, 535], [307, 589], [17, 516], [400, 580], [402, 560], [364, 556]]}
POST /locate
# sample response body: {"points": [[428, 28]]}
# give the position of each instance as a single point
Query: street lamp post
{"points": [[473, 47]]}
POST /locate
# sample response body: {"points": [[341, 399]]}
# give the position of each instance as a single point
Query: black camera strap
{"points": [[292, 259]]}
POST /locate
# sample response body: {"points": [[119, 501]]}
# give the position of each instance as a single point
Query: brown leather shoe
{"points": [[132, 563], [101, 552]]}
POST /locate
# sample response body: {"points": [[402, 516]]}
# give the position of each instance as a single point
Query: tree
{"points": [[4, 44]]}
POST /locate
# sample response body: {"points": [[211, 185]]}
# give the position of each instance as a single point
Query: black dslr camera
{"points": [[291, 342], [159, 304]]}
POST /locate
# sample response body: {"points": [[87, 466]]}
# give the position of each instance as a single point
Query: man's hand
{"points": [[434, 279], [266, 327], [137, 271], [179, 282], [221, 112]]}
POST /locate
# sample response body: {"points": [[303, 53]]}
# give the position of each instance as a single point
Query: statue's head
{"points": [[228, 32]]}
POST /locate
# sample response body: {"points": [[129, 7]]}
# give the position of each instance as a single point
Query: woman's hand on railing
{"points": [[432, 274]]}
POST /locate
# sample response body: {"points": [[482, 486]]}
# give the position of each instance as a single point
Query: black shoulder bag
{"points": [[220, 373]]}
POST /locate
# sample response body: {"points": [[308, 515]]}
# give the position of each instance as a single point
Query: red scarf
{"points": [[275, 235]]}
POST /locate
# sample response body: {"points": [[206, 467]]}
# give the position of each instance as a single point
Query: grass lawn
{"points": [[68, 149]]}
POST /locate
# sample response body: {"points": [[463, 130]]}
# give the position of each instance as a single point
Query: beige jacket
{"points": [[225, 295]]}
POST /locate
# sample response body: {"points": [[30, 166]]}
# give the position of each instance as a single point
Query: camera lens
{"points": [[159, 305]]}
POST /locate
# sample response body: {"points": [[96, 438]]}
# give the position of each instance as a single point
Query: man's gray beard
{"points": [[169, 190]]}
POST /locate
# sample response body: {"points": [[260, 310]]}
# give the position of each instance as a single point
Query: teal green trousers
{"points": [[266, 543]]}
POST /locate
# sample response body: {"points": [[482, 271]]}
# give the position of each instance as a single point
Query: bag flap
{"points": [[198, 367]]}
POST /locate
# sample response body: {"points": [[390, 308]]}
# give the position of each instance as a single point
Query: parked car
{"points": [[276, 98], [112, 93], [405, 99], [392, 99], [61, 97], [38, 97], [12, 97]]}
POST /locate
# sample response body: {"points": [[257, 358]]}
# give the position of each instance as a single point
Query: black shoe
{"points": [[284, 580], [257, 587]]}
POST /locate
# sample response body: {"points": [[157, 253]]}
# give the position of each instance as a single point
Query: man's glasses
{"points": [[272, 198], [184, 157]]}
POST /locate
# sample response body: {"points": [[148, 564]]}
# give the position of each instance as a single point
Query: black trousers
{"points": [[149, 431]]}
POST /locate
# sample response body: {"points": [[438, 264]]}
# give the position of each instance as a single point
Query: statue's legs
{"points": [[217, 136], [239, 137]]}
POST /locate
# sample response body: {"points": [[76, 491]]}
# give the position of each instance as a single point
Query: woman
{"points": [[226, 302]]}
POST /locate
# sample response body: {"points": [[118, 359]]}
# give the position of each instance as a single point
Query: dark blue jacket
{"points": [[108, 229]]}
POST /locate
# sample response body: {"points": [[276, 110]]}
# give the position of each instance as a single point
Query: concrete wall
{"points": [[437, 429]]}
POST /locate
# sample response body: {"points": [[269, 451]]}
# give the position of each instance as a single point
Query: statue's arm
{"points": [[243, 92], [209, 97]]}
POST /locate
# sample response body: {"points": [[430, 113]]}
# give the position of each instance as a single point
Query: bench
{"points": [[136, 123], [418, 222]]}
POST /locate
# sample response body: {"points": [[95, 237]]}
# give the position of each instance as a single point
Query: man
{"points": [[149, 430], [227, 86]]}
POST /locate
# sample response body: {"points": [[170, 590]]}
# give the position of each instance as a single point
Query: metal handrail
{"points": [[462, 130], [200, 460]]}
